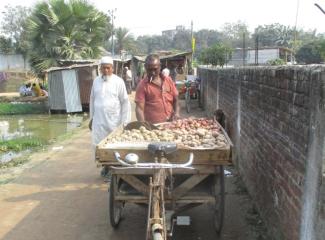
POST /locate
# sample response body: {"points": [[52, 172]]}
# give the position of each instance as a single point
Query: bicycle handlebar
{"points": [[155, 165]]}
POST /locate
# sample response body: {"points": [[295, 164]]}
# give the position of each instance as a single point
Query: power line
{"points": [[320, 8]]}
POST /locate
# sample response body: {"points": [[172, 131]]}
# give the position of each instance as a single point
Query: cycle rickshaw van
{"points": [[169, 173]]}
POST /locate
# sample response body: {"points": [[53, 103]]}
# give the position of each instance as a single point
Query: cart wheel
{"points": [[115, 207], [219, 209]]}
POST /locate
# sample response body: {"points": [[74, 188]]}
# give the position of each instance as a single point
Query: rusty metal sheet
{"points": [[86, 76]]}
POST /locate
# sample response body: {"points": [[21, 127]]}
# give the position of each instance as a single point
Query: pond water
{"points": [[43, 127]]}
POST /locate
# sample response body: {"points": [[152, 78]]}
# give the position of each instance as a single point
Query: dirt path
{"points": [[61, 196]]}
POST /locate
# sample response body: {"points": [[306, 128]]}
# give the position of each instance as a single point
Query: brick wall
{"points": [[275, 118]]}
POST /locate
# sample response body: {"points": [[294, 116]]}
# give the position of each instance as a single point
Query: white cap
{"points": [[165, 71], [106, 60]]}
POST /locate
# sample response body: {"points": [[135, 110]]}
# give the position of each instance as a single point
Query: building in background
{"points": [[261, 56], [171, 33]]}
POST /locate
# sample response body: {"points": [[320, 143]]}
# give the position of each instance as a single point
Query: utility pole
{"points": [[111, 14], [295, 35], [256, 50], [244, 49]]}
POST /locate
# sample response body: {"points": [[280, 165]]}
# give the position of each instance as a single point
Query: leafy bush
{"points": [[218, 54], [276, 62], [312, 52]]}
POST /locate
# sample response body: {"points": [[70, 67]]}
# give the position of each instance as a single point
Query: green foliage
{"points": [[61, 29], [276, 62], [232, 35], [182, 41], [22, 108], [6, 45], [218, 54], [312, 52], [20, 144], [14, 25], [124, 40], [150, 44]]}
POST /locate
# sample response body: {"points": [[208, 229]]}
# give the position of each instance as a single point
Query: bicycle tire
{"points": [[115, 208], [219, 209]]}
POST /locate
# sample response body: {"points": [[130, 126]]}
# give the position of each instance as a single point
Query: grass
{"points": [[33, 144], [20, 144], [22, 108]]}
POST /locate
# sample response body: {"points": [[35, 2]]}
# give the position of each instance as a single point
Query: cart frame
{"points": [[183, 187]]}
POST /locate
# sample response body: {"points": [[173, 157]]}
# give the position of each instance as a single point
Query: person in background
{"points": [[25, 90], [37, 91], [156, 96], [109, 104], [173, 73], [128, 79], [44, 92], [165, 72]]}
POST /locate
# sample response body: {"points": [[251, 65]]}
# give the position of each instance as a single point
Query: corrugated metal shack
{"points": [[179, 64], [69, 87]]}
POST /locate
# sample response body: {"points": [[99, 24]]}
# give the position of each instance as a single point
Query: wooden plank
{"points": [[136, 183], [187, 185], [210, 157]]}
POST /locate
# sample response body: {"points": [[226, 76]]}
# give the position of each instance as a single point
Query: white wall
{"points": [[264, 55], [13, 61]]}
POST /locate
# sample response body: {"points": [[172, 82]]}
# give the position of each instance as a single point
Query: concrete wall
{"points": [[13, 62], [10, 81], [275, 117]]}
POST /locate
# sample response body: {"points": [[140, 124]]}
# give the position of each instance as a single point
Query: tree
{"points": [[312, 52], [14, 26], [232, 34], [65, 30], [218, 54], [182, 40], [205, 38], [267, 34], [124, 40], [285, 36], [5, 45], [150, 44]]}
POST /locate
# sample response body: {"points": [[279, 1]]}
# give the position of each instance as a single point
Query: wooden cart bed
{"points": [[202, 156]]}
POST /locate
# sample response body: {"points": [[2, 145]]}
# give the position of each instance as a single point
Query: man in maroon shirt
{"points": [[156, 96]]}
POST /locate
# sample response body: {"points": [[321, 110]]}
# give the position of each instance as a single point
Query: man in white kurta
{"points": [[109, 103]]}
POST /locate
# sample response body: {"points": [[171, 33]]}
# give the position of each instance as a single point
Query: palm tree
{"points": [[124, 40], [65, 30], [284, 36]]}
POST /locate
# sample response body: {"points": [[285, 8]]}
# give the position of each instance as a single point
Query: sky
{"points": [[147, 17]]}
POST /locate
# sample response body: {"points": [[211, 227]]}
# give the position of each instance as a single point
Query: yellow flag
{"points": [[193, 44]]}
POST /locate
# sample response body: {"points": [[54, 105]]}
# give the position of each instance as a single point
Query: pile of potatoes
{"points": [[188, 133]]}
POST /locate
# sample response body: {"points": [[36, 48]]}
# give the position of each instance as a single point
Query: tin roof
{"points": [[71, 67], [163, 56]]}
